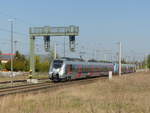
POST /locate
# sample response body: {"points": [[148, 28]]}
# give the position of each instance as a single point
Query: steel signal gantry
{"points": [[47, 32]]}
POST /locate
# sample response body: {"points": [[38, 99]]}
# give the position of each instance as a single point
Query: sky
{"points": [[102, 23]]}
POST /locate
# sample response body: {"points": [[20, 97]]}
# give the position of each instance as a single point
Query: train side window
{"points": [[71, 68], [75, 68], [83, 68]]}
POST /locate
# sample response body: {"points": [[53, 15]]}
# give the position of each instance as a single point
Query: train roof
{"points": [[91, 61], [81, 61], [71, 59]]}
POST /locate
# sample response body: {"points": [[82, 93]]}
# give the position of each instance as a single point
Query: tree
{"points": [[0, 61], [123, 61], [148, 61], [37, 64], [20, 63], [42, 65], [0, 57]]}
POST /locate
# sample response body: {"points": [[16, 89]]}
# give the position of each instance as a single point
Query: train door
{"points": [[92, 70], [79, 73], [69, 69]]}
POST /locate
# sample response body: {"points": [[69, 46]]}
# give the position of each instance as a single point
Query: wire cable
{"points": [[17, 19]]}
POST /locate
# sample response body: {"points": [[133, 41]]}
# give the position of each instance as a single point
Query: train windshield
{"points": [[57, 64]]}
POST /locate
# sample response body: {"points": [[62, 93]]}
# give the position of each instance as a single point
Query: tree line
{"points": [[21, 63]]}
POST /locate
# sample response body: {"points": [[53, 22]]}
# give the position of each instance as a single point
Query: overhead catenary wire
{"points": [[24, 36], [15, 32], [16, 18]]}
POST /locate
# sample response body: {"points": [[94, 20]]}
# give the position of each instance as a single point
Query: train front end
{"points": [[56, 71]]}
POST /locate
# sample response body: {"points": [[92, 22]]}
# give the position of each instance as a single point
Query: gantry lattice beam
{"points": [[54, 31]]}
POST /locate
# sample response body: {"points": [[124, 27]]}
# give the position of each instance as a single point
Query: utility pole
{"points": [[55, 51], [11, 35], [120, 53], [64, 48], [15, 45]]}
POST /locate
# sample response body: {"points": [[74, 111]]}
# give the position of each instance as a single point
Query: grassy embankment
{"points": [[127, 94]]}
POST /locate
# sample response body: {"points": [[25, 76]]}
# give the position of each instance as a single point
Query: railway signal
{"points": [[47, 32]]}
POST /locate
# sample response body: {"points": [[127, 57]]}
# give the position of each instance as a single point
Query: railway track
{"points": [[23, 88], [17, 81], [43, 86]]}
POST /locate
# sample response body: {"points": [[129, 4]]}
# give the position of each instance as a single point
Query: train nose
{"points": [[55, 76]]}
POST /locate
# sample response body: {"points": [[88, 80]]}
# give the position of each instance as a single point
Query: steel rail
{"points": [[45, 85], [23, 80]]}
